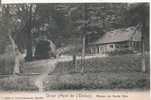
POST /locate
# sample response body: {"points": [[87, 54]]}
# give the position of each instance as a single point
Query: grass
{"points": [[117, 72], [78, 81], [116, 84], [125, 63], [6, 63], [17, 83], [126, 84], [102, 80]]}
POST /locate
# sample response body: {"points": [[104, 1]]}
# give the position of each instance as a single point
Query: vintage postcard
{"points": [[74, 51]]}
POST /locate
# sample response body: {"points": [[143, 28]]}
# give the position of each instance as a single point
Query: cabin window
{"points": [[122, 45], [111, 46], [135, 44], [91, 50], [126, 46], [98, 50], [117, 46]]}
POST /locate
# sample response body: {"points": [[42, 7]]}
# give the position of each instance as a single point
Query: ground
{"points": [[101, 73], [77, 81]]}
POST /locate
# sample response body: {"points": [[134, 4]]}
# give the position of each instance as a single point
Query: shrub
{"points": [[124, 63], [6, 63]]}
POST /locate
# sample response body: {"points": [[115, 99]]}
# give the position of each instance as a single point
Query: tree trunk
{"points": [[143, 59], [29, 50], [16, 55], [143, 50], [84, 37], [29, 36]]}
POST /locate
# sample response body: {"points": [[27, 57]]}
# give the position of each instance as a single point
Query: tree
{"points": [[29, 35], [139, 14], [7, 27]]}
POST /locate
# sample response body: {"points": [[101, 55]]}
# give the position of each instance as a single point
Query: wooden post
{"points": [[83, 53], [74, 63]]}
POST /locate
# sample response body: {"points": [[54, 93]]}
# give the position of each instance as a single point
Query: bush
{"points": [[121, 52], [17, 83], [6, 63], [124, 63], [129, 84]]}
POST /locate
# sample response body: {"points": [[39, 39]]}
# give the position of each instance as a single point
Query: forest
{"points": [[67, 23]]}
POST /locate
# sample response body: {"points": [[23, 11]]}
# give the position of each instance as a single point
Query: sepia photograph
{"points": [[74, 47]]}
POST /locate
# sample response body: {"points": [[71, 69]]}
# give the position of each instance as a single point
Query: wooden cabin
{"points": [[125, 39]]}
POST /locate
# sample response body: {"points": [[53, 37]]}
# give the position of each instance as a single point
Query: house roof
{"points": [[124, 34]]}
